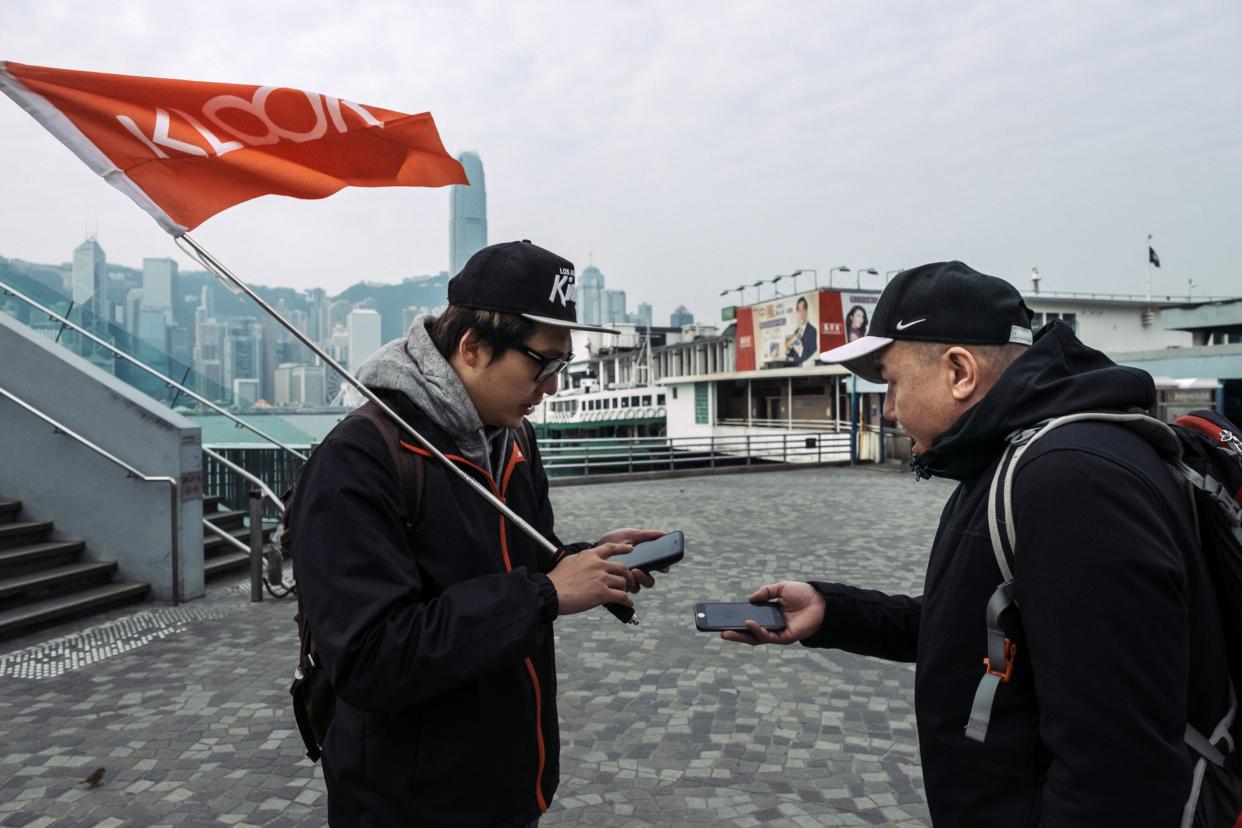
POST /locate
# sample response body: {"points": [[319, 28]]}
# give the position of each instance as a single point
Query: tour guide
{"points": [[439, 642], [1120, 643]]}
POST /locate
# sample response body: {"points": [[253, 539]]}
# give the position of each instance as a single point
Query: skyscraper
{"points": [[613, 307], [363, 325], [90, 266], [681, 316], [207, 354], [643, 316], [159, 285], [468, 222], [591, 295], [242, 353]]}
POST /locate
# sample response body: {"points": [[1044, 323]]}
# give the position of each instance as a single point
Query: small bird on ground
{"points": [[94, 779]]}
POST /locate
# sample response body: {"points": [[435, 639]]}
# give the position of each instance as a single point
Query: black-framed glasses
{"points": [[548, 366]]}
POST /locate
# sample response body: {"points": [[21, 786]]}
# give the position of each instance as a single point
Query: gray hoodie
{"points": [[415, 367]]}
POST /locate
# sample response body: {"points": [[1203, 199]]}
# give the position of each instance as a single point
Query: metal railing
{"points": [[248, 476], [585, 457], [777, 422], [277, 468], [174, 503], [255, 550], [1121, 297], [574, 457], [139, 364]]}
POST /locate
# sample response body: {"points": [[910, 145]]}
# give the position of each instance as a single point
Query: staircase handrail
{"points": [[216, 530], [12, 291], [263, 487], [61, 428]]}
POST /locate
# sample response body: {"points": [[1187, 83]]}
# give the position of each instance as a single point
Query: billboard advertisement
{"points": [[793, 330]]}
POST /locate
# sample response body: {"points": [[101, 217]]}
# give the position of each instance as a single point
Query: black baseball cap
{"points": [[942, 302], [524, 279]]}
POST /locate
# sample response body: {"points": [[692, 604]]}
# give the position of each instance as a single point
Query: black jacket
{"points": [[441, 652], [1120, 637]]}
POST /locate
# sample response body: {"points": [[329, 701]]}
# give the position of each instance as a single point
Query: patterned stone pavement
{"points": [[187, 708]]}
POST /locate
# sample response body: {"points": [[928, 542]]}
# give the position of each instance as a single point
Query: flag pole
{"points": [[1149, 270], [195, 251]]}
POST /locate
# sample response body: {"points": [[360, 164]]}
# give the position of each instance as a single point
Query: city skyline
{"points": [[705, 147], [172, 320]]}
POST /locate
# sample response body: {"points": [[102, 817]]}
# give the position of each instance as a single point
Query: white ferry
{"points": [[589, 412]]}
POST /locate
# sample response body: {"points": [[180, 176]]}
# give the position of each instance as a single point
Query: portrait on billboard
{"points": [[855, 323], [844, 316], [787, 330], [802, 342]]}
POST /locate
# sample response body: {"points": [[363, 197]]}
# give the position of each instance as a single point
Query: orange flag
{"points": [[185, 150]]}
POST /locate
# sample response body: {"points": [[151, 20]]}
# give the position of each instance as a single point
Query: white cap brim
{"points": [[859, 356], [561, 323]]}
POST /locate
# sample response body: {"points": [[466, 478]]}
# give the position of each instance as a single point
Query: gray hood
{"points": [[415, 367]]}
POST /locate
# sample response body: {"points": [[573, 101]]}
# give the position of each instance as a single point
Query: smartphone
{"points": [[717, 617], [660, 553]]}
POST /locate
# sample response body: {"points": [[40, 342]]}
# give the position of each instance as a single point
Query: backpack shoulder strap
{"points": [[1003, 534], [409, 464], [523, 437], [1000, 497]]}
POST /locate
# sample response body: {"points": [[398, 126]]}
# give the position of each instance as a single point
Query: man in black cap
{"points": [[435, 629], [1111, 644]]}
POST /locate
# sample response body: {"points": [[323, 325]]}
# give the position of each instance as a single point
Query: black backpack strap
{"points": [[409, 463], [524, 438], [522, 435], [1001, 528], [314, 700]]}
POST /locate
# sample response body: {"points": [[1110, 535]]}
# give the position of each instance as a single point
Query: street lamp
{"points": [[858, 276], [740, 297], [842, 268], [776, 279], [756, 286], [814, 273]]}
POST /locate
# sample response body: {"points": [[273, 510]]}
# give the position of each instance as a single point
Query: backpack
{"points": [[1205, 450], [314, 700]]}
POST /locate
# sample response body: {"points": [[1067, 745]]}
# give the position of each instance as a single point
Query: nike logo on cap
{"points": [[901, 326]]}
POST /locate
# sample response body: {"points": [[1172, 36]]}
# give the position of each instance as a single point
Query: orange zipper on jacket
{"points": [[515, 457]]}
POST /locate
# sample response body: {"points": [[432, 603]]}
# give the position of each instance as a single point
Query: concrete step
{"points": [[22, 532], [211, 503], [19, 560], [57, 579], [233, 519], [9, 510], [61, 607], [225, 562]]}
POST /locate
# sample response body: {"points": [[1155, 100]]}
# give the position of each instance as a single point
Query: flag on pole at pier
{"points": [[1152, 258], [186, 150]]}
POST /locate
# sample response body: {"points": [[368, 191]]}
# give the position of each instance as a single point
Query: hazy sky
{"points": [[694, 146]]}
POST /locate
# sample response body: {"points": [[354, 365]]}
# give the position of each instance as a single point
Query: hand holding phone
{"points": [[803, 608], [660, 553], [736, 616]]}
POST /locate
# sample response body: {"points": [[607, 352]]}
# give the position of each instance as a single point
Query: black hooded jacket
{"points": [[1119, 642], [440, 650]]}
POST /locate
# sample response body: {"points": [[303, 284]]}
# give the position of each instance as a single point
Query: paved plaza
{"points": [[187, 708]]}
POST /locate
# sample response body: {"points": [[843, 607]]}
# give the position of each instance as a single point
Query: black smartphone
{"points": [[717, 617], [660, 553]]}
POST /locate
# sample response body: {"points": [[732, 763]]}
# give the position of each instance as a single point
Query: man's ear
{"points": [[965, 370], [473, 351]]}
